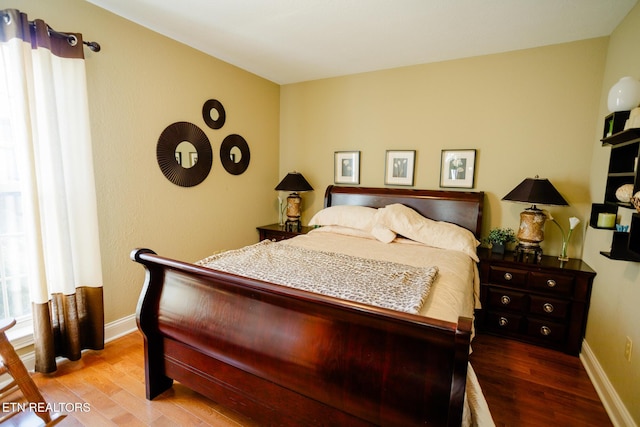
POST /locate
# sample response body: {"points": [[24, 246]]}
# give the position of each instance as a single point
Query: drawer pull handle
{"points": [[508, 276], [503, 321], [505, 300], [551, 283], [545, 330], [548, 308]]}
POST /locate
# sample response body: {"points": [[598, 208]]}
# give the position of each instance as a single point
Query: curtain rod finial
{"points": [[94, 46]]}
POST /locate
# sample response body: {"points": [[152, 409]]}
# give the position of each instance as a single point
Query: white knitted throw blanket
{"points": [[380, 283]]}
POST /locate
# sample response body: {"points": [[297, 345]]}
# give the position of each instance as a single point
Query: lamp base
{"points": [[293, 225], [524, 251]]}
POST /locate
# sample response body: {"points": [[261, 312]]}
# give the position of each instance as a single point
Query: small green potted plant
{"points": [[499, 237]]}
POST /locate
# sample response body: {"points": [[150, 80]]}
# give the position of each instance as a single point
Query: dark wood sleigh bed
{"points": [[288, 357]]}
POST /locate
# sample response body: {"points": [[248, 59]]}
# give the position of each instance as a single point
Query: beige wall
{"points": [[140, 83], [530, 112], [614, 313]]}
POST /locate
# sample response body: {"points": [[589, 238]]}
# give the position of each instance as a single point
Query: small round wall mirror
{"points": [[213, 114], [184, 154], [235, 154]]}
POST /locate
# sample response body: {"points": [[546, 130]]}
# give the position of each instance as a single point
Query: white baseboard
{"points": [[618, 413], [119, 328]]}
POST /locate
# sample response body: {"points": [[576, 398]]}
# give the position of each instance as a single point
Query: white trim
{"points": [[618, 413], [120, 328]]}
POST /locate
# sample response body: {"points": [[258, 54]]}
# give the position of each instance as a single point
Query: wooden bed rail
{"points": [[289, 357]]}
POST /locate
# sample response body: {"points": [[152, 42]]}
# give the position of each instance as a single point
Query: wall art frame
{"points": [[457, 168], [346, 167], [399, 167]]}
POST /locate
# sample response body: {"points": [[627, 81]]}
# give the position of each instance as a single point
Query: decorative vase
{"points": [[624, 95], [563, 253], [497, 248]]}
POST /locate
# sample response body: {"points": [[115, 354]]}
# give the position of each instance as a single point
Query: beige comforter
{"points": [[452, 297]]}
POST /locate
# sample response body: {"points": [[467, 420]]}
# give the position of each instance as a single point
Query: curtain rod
{"points": [[71, 39]]}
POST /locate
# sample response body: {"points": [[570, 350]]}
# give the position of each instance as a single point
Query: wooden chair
{"points": [[35, 412]]}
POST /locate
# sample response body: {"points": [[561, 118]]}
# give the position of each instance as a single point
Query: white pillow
{"points": [[382, 233], [347, 231], [352, 216], [409, 223]]}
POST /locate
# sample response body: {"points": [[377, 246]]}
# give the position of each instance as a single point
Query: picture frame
{"points": [[346, 167], [399, 167], [457, 168]]}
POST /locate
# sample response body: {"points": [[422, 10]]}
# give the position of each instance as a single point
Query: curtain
{"points": [[45, 80]]}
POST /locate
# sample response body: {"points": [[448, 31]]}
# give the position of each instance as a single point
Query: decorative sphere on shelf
{"points": [[624, 193], [635, 201], [624, 95]]}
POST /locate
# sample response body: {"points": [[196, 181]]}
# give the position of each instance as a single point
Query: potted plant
{"points": [[499, 237]]}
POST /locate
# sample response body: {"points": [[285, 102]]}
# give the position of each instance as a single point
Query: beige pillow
{"points": [[439, 234], [358, 217], [347, 231]]}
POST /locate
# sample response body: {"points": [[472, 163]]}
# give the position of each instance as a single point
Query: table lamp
{"points": [[295, 182], [537, 191]]}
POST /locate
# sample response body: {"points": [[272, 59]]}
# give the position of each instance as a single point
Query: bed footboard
{"points": [[288, 357]]}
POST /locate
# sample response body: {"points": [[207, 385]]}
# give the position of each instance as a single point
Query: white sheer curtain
{"points": [[45, 83]]}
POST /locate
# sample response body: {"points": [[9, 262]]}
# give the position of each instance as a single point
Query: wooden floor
{"points": [[524, 386]]}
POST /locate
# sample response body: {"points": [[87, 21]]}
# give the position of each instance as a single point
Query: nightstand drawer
{"points": [[275, 236], [507, 276], [277, 232], [506, 299], [503, 321], [549, 307], [548, 331], [553, 283]]}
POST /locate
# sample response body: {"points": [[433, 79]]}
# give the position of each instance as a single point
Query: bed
{"points": [[289, 356]]}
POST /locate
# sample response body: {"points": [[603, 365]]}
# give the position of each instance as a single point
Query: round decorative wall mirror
{"points": [[213, 114], [235, 154], [184, 154]]}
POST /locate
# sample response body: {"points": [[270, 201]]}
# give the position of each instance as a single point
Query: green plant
{"points": [[500, 236]]}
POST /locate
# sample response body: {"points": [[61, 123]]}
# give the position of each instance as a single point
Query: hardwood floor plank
{"points": [[525, 386]]}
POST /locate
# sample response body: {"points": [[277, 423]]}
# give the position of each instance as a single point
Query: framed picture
{"points": [[399, 167], [457, 168], [346, 167]]}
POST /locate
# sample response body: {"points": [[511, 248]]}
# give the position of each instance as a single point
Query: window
{"points": [[14, 287]]}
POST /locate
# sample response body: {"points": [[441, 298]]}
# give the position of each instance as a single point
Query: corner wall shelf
{"points": [[623, 171]]}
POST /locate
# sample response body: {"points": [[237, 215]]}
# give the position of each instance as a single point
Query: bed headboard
{"points": [[458, 207]]}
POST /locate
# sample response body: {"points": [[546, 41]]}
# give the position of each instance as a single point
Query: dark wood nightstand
{"points": [[545, 303], [278, 232]]}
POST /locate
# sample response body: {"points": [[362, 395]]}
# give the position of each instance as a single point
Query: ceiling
{"points": [[289, 41]]}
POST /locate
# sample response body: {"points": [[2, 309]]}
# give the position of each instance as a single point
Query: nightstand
{"points": [[277, 232], [544, 303]]}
